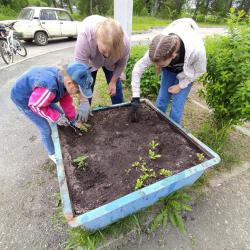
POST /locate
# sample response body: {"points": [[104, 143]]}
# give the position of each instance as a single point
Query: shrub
{"points": [[227, 81], [150, 82], [38, 3], [7, 13], [200, 18]]}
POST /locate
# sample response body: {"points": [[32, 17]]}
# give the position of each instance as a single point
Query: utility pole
{"points": [[123, 12]]}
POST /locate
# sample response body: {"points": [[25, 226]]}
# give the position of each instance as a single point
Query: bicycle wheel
{"points": [[5, 52], [20, 48]]}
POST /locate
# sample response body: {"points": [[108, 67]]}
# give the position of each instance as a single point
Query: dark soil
{"points": [[113, 143]]}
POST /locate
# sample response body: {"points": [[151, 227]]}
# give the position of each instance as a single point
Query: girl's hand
{"points": [[112, 89], [175, 89]]}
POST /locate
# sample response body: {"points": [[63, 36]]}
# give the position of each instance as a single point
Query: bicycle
{"points": [[9, 44]]}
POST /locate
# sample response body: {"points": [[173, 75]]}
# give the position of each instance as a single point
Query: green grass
{"points": [[3, 17], [145, 23], [101, 97]]}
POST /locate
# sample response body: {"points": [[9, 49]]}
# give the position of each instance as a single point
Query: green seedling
{"points": [[136, 164], [144, 169], [142, 161], [128, 171], [200, 156], [165, 172], [81, 161], [85, 127], [153, 145], [152, 155], [138, 184]]}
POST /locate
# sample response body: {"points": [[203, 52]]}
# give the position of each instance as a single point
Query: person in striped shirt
{"points": [[37, 92]]}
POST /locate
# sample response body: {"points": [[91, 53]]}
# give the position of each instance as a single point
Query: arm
{"points": [[82, 49], [39, 102], [138, 70], [195, 69], [67, 105]]}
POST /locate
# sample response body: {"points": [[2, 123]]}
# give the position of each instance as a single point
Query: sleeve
{"points": [[82, 49], [120, 65], [67, 105], [196, 68], [39, 102], [137, 72]]}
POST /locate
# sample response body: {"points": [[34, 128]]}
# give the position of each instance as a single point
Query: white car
{"points": [[41, 23]]}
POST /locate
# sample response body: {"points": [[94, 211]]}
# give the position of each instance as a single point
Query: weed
{"points": [[172, 207], [81, 161], [83, 239]]}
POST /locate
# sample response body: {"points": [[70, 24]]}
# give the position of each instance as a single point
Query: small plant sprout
{"points": [[138, 184], [142, 161], [153, 145], [136, 164], [152, 155], [81, 161], [128, 171], [85, 127], [165, 172], [200, 156]]}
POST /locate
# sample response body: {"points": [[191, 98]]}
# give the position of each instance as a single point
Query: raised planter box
{"points": [[112, 210]]}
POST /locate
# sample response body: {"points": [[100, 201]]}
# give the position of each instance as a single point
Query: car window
{"points": [[48, 15], [26, 14], [64, 16]]}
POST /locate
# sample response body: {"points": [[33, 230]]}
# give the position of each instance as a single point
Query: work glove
{"points": [[63, 121], [83, 111], [135, 104]]}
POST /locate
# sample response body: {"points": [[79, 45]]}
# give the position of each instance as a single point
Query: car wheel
{"points": [[41, 38], [72, 38]]}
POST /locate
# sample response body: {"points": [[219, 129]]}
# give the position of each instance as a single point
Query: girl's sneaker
{"points": [[53, 158]]}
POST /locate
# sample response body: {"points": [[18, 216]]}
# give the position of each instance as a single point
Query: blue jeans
{"points": [[118, 98], [43, 126], [169, 79]]}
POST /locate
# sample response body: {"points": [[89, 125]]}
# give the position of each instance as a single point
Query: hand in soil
{"points": [[135, 104]]}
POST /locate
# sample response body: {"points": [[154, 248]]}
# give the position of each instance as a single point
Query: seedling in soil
{"points": [[128, 170], [200, 156], [138, 184], [153, 145], [81, 161], [84, 128], [153, 155], [136, 164], [165, 172]]}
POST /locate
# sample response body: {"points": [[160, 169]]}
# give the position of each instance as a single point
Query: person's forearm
{"points": [[114, 79]]}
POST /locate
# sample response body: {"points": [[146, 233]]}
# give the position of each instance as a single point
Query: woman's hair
{"points": [[110, 33], [162, 47]]}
